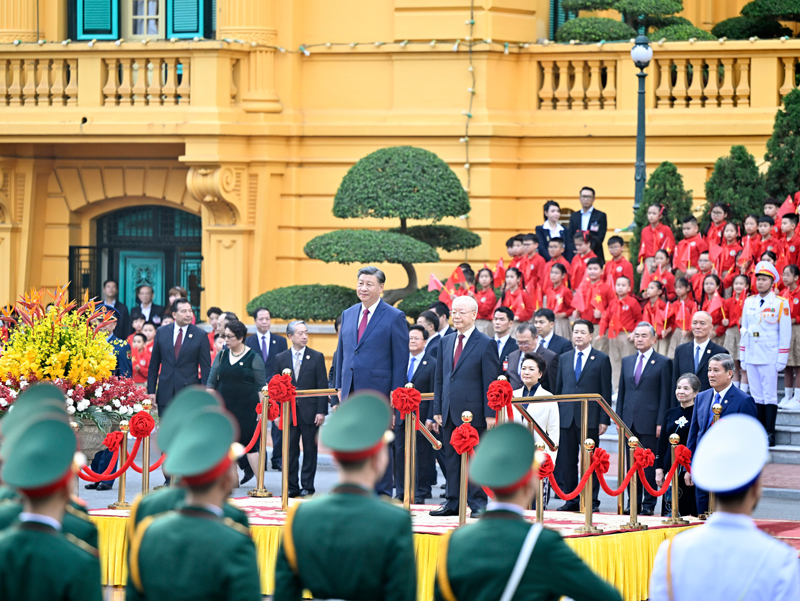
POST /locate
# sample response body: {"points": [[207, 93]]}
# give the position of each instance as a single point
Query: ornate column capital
{"points": [[218, 188]]}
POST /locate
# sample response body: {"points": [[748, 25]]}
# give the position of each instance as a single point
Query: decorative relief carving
{"points": [[217, 188]]}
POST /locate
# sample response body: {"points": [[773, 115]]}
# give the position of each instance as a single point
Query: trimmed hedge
{"points": [[737, 182], [783, 10], [446, 237], [633, 9], [314, 302], [783, 149], [744, 28], [401, 182], [369, 246], [682, 33], [417, 302], [574, 6], [594, 29]]}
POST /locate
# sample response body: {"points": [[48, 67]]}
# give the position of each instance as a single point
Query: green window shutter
{"points": [[186, 18], [558, 16], [97, 20]]}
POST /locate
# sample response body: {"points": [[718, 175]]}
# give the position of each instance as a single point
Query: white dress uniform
{"points": [[766, 334], [728, 558]]}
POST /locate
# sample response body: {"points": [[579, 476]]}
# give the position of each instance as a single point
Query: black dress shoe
{"points": [[626, 511], [91, 486], [596, 508], [646, 511], [419, 501], [276, 467], [104, 486], [570, 507], [304, 493], [444, 511], [428, 496], [476, 513], [293, 494]]}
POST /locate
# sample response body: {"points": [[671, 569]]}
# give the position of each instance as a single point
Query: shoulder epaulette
{"points": [[133, 560], [78, 513], [231, 523], [82, 544]]}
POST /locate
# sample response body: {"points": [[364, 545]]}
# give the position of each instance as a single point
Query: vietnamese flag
{"points": [[786, 208], [716, 303], [746, 252], [499, 274], [578, 302], [457, 277], [445, 297], [646, 279], [641, 252], [434, 283], [714, 253], [537, 298], [685, 262], [610, 279]]}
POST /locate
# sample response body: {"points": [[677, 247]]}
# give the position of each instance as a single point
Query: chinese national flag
{"points": [[658, 275], [716, 303], [681, 316], [615, 325], [641, 252], [787, 207], [457, 277], [499, 274], [646, 279], [685, 262], [578, 301], [434, 283], [714, 253], [746, 252]]}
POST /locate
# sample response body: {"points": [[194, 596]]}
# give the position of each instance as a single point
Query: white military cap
{"points": [[767, 268], [731, 455]]}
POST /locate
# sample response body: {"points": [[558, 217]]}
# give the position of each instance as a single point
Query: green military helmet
{"points": [[504, 457], [43, 451], [358, 428], [183, 406], [202, 449], [33, 399]]}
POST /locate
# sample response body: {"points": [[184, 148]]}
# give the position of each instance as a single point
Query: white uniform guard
{"points": [[728, 558]]}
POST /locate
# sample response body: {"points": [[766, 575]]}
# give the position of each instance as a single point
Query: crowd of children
{"points": [[712, 271]]}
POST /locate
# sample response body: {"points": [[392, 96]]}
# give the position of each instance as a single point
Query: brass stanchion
{"points": [[501, 418], [286, 424], [633, 524], [147, 405], [584, 436], [588, 527], [124, 425], [466, 417], [675, 520], [409, 479], [620, 469], [260, 490], [712, 498], [540, 492]]}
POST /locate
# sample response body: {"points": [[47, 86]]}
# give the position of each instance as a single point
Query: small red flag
{"points": [[457, 277], [434, 283], [578, 301], [646, 279], [787, 207], [499, 273], [641, 252], [537, 298], [746, 252], [610, 279], [445, 297], [716, 303]]}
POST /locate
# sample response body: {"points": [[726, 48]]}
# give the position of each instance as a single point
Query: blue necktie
{"points": [[499, 344], [696, 358], [578, 366], [411, 368], [717, 399]]}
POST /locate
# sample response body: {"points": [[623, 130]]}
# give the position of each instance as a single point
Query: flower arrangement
{"points": [[63, 344]]}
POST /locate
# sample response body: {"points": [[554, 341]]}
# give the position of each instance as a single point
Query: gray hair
{"points": [[466, 300], [370, 270], [645, 324], [292, 326], [693, 380], [527, 327], [725, 359]]}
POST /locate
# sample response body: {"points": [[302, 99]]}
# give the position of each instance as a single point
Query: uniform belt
{"points": [[755, 334]]}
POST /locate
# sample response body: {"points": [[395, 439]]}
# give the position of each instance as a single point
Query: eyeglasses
{"points": [[461, 313], [229, 336]]}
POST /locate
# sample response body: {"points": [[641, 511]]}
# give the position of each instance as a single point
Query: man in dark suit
{"points": [[421, 372], [372, 349], [692, 357], [180, 352], [527, 339], [645, 387], [146, 308], [589, 219], [269, 347], [733, 400], [466, 364], [308, 373], [503, 319], [430, 321], [544, 320], [443, 312], [582, 370], [110, 293]]}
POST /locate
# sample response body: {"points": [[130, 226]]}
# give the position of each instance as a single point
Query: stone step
{"points": [[788, 418], [788, 435], [785, 454]]}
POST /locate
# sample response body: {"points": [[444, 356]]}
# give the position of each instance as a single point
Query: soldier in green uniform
{"points": [[349, 544], [39, 561], [195, 552], [502, 556], [36, 400], [185, 404]]}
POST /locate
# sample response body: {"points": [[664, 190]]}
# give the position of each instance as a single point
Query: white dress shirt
{"points": [[175, 334], [502, 343], [467, 334], [263, 339], [586, 352], [39, 519], [702, 346], [146, 311], [371, 311], [498, 506], [647, 356], [546, 340], [586, 216]]}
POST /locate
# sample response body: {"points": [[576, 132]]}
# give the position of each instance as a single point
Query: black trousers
{"points": [[567, 464], [437, 456], [100, 463], [424, 462], [277, 446], [644, 500], [476, 498], [308, 433]]}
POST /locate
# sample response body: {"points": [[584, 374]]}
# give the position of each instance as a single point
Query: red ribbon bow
{"points": [[684, 457], [465, 438], [546, 468], [273, 411], [142, 425], [499, 397], [281, 389], [406, 401], [643, 458], [113, 440], [600, 461]]}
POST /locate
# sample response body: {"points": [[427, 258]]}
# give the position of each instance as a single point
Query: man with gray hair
{"points": [[373, 349], [692, 357], [308, 373], [731, 399], [644, 393]]}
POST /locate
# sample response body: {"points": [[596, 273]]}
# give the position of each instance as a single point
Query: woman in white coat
{"points": [[545, 414]]}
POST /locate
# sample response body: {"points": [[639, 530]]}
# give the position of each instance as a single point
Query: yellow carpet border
{"points": [[624, 559]]}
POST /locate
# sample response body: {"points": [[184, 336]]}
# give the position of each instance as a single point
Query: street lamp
{"points": [[642, 54]]}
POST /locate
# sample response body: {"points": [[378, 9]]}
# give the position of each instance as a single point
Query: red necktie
{"points": [[363, 325], [178, 342], [459, 348]]}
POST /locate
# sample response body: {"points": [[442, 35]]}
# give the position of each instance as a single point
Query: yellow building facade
{"points": [[236, 146]]}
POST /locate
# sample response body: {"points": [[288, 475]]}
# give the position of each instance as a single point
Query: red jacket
{"points": [[697, 282], [621, 317], [520, 303], [546, 283], [669, 283], [533, 272], [655, 239], [559, 299], [616, 268], [595, 296], [578, 268], [696, 246], [657, 315], [487, 301], [714, 234], [141, 363], [681, 312], [794, 301], [726, 262], [733, 309], [716, 315]]}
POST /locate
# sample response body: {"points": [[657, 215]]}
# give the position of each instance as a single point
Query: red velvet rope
{"points": [[499, 397], [281, 389], [683, 456], [253, 440], [153, 467], [599, 462], [406, 401], [91, 476]]}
